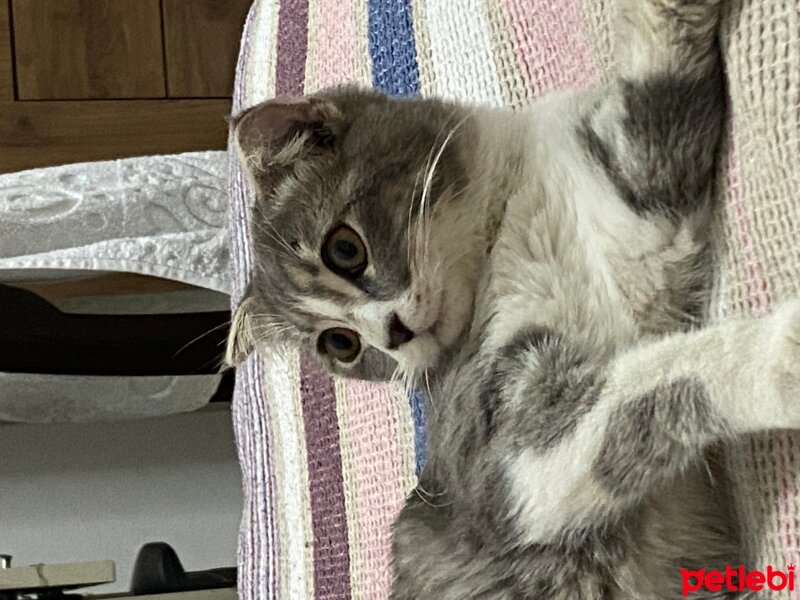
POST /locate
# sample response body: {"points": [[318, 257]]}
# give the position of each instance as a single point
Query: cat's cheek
{"points": [[456, 312]]}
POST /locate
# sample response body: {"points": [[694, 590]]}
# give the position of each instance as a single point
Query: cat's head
{"points": [[366, 252]]}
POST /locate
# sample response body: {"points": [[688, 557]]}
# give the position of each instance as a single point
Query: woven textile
{"points": [[327, 463]]}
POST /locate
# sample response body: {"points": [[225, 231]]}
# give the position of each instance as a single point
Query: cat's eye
{"points": [[344, 252], [340, 343]]}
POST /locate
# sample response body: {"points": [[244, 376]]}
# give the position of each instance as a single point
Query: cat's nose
{"points": [[399, 334]]}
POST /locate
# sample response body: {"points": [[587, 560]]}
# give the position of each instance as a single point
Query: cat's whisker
{"points": [[420, 224], [201, 336], [428, 227], [407, 377], [428, 502], [270, 325], [270, 333], [428, 391], [410, 231], [272, 233], [262, 315], [275, 252], [425, 215], [430, 494], [284, 245], [396, 375], [264, 322]]}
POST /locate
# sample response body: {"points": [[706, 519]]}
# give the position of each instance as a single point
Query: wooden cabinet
{"points": [[88, 49], [97, 79], [196, 45], [6, 60]]}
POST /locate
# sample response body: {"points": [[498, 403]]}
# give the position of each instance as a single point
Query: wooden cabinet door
{"points": [[88, 49], [201, 59], [84, 80]]}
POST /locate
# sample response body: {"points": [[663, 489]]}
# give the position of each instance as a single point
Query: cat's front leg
{"points": [[582, 441], [749, 368], [655, 131]]}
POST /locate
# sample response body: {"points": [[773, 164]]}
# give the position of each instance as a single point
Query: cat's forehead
{"points": [[317, 195]]}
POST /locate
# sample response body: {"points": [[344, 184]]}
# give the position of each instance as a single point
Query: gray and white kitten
{"points": [[543, 274]]}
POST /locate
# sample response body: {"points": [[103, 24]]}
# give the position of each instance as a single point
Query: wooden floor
{"points": [[100, 79]]}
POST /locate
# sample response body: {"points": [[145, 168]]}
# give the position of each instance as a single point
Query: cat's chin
{"points": [[425, 352], [419, 355]]}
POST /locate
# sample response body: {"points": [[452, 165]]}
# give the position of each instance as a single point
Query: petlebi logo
{"points": [[737, 579]]}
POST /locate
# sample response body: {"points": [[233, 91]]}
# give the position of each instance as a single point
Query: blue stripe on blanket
{"points": [[417, 401], [392, 47], [395, 72]]}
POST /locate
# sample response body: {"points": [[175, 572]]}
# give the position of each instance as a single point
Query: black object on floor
{"points": [[158, 570], [36, 337]]}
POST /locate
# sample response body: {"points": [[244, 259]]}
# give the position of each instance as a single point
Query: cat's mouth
{"points": [[424, 349], [446, 312]]}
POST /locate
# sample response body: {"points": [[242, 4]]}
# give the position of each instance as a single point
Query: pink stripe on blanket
{"points": [[373, 422], [783, 465], [335, 43], [552, 44], [756, 281]]}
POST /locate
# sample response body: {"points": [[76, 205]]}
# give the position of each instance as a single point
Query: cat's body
{"points": [[576, 272], [543, 275], [574, 277]]}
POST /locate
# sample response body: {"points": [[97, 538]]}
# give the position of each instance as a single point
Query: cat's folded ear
{"points": [[241, 337], [274, 134]]}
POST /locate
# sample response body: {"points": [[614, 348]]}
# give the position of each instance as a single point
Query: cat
{"points": [[544, 275]]}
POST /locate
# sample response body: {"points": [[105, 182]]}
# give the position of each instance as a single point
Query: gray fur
{"points": [[668, 122], [557, 387], [656, 436], [533, 377], [456, 538], [465, 566]]}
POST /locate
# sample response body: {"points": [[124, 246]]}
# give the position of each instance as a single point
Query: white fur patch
{"points": [[570, 496]]}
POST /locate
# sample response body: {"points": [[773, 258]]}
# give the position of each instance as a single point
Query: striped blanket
{"points": [[326, 463]]}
